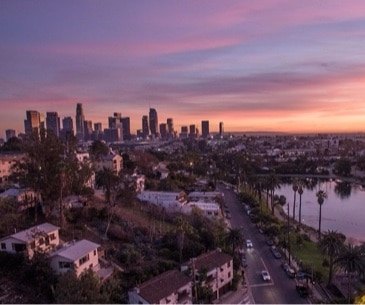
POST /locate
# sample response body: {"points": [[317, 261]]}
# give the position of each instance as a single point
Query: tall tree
{"points": [[295, 189], [352, 262], [331, 244], [234, 238], [321, 196], [273, 184], [300, 192]]}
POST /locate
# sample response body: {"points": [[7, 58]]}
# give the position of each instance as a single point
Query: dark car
{"points": [[269, 242], [302, 290]]}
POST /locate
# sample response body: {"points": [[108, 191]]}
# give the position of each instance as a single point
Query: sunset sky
{"points": [[293, 66]]}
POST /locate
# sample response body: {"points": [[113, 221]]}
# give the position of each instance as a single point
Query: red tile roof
{"points": [[162, 286]]}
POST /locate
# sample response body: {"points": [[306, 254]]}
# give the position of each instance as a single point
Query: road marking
{"points": [[262, 285]]}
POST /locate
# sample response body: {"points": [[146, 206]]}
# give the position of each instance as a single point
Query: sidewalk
{"points": [[240, 296]]}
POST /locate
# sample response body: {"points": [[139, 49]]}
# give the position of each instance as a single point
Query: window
{"points": [[52, 236], [65, 265], [229, 274], [229, 264], [32, 245], [94, 252], [41, 241], [83, 260], [3, 246]]}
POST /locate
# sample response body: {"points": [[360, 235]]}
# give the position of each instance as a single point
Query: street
{"points": [[281, 288]]}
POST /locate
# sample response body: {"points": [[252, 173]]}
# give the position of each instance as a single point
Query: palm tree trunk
{"points": [[320, 220], [300, 209]]}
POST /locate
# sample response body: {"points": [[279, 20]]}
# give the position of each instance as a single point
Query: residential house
{"points": [[77, 255], [171, 201], [7, 161], [219, 271], [22, 199], [170, 287], [112, 161], [41, 238]]}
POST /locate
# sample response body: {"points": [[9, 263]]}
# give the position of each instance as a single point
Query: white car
{"points": [[249, 243], [265, 275]]}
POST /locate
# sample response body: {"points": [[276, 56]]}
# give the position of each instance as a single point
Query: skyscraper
{"points": [[67, 128], [163, 130], [153, 122], [80, 118], [88, 130], [170, 127], [221, 129], [53, 123], [115, 122], [32, 122], [205, 129], [126, 128], [145, 128]]}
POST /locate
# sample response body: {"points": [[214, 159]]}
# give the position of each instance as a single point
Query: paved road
{"points": [[281, 288]]}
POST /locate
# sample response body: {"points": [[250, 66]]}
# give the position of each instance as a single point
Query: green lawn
{"points": [[309, 254]]}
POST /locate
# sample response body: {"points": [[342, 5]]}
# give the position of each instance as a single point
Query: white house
{"points": [[171, 201], [170, 287], [111, 161], [219, 268], [79, 255], [209, 209], [42, 238]]}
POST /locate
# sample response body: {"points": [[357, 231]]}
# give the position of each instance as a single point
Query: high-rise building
{"points": [[170, 126], [67, 128], [145, 128], [115, 122], [163, 130], [98, 132], [184, 132], [53, 123], [9, 133], [33, 122], [193, 131], [205, 129], [88, 130], [80, 118], [153, 122], [126, 124], [221, 129]]}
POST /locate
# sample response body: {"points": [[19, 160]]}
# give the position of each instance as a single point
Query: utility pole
{"points": [[289, 235]]}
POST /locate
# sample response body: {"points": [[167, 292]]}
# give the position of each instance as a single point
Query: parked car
{"points": [[302, 290], [290, 272], [269, 242], [265, 275], [249, 243], [285, 266]]}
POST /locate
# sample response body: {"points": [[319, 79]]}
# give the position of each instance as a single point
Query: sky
{"points": [[278, 65]]}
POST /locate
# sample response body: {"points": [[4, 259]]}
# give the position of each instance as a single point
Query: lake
{"points": [[343, 209]]}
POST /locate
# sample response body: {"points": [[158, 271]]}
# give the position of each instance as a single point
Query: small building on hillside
{"points": [[41, 238], [170, 287], [219, 271], [78, 255], [21, 198], [171, 201]]}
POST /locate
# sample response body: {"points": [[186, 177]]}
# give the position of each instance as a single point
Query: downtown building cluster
{"points": [[118, 127]]}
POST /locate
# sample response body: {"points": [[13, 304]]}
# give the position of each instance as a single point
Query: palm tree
{"points": [[321, 196], [300, 192], [331, 244], [234, 238], [273, 183], [295, 188], [352, 262]]}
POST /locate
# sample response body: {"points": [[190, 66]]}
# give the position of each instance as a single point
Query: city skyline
{"points": [[278, 66]]}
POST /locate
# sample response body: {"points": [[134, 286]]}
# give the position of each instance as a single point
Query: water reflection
{"points": [[343, 189], [343, 209]]}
